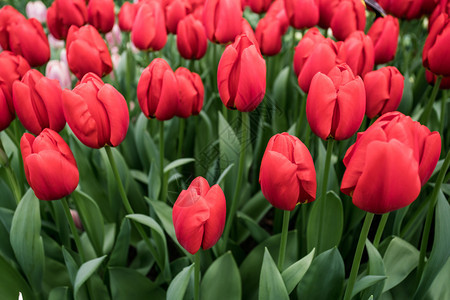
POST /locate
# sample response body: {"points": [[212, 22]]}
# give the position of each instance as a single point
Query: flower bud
{"points": [[101, 14], [62, 14], [149, 29], [384, 34]]}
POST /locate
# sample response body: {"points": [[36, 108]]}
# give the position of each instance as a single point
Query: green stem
{"points": [[301, 116], [161, 162], [245, 124], [284, 235], [426, 113], [197, 275], [13, 184], [128, 207], [441, 125], [180, 136], [380, 230], [73, 229], [429, 219], [358, 255]]}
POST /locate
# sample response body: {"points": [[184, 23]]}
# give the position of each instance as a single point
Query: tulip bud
{"points": [[28, 39], [157, 92], [191, 38], [435, 51], [442, 8], [37, 10], [302, 13], [199, 215], [269, 35], [76, 219], [127, 15], [62, 14], [8, 17], [87, 52], [326, 12], [384, 90], [222, 20], [38, 104], [191, 93], [287, 176], [149, 30], [384, 34], [348, 16], [175, 11], [278, 10], [96, 112], [241, 75], [259, 6], [336, 103], [389, 163], [50, 168], [59, 70], [101, 14], [360, 53], [13, 67]]}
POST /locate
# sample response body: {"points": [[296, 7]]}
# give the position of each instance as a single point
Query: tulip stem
{"points": [[426, 113], [128, 207], [429, 219], [161, 162], [180, 136], [358, 255], [381, 225], [441, 125], [4, 161], [197, 275], [245, 122], [284, 235], [73, 229]]}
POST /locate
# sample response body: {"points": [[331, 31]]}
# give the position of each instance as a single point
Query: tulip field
{"points": [[224, 149]]}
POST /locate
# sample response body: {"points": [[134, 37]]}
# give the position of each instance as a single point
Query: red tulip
{"points": [[149, 29], [191, 38], [8, 17], [269, 35], [326, 12], [443, 7], [248, 31], [28, 39], [384, 34], [431, 79], [435, 51], [87, 52], [336, 103], [157, 91], [101, 14], [389, 163], [13, 67], [241, 75], [38, 104], [175, 11], [50, 168], [199, 215], [222, 20], [287, 176], [349, 16], [96, 112], [384, 90], [278, 10], [63, 14], [360, 53], [191, 93], [126, 16], [315, 54], [302, 13], [405, 9], [259, 6]]}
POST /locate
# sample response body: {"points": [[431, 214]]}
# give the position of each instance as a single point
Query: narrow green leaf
{"points": [[178, 163], [400, 259], [271, 285], [91, 218], [119, 255], [59, 293], [366, 282], [224, 174], [71, 265], [179, 284], [229, 285], [294, 273], [86, 270], [26, 240], [375, 268], [128, 284], [12, 282], [256, 231]]}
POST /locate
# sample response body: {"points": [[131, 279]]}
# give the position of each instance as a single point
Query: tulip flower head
{"points": [[50, 167], [348, 16], [149, 29], [101, 14], [360, 53], [191, 93], [384, 34], [62, 14], [191, 38], [302, 13], [336, 103], [8, 17], [96, 112], [127, 15], [389, 163], [37, 10], [435, 51], [287, 176], [241, 75], [222, 20], [199, 215]]}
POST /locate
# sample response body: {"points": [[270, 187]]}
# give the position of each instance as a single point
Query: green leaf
{"points": [[326, 231], [71, 265], [224, 174], [154, 182], [440, 289], [255, 208], [178, 163], [26, 240], [293, 274], [256, 231], [440, 252], [12, 282], [400, 259], [376, 268], [86, 270], [325, 277], [126, 283], [366, 282], [271, 285], [119, 255], [179, 284], [91, 218], [59, 293], [229, 285]]}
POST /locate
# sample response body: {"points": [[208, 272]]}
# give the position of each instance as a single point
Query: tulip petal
{"points": [[24, 107], [168, 99], [216, 202], [430, 156], [377, 92], [82, 59], [226, 64], [50, 91]]}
